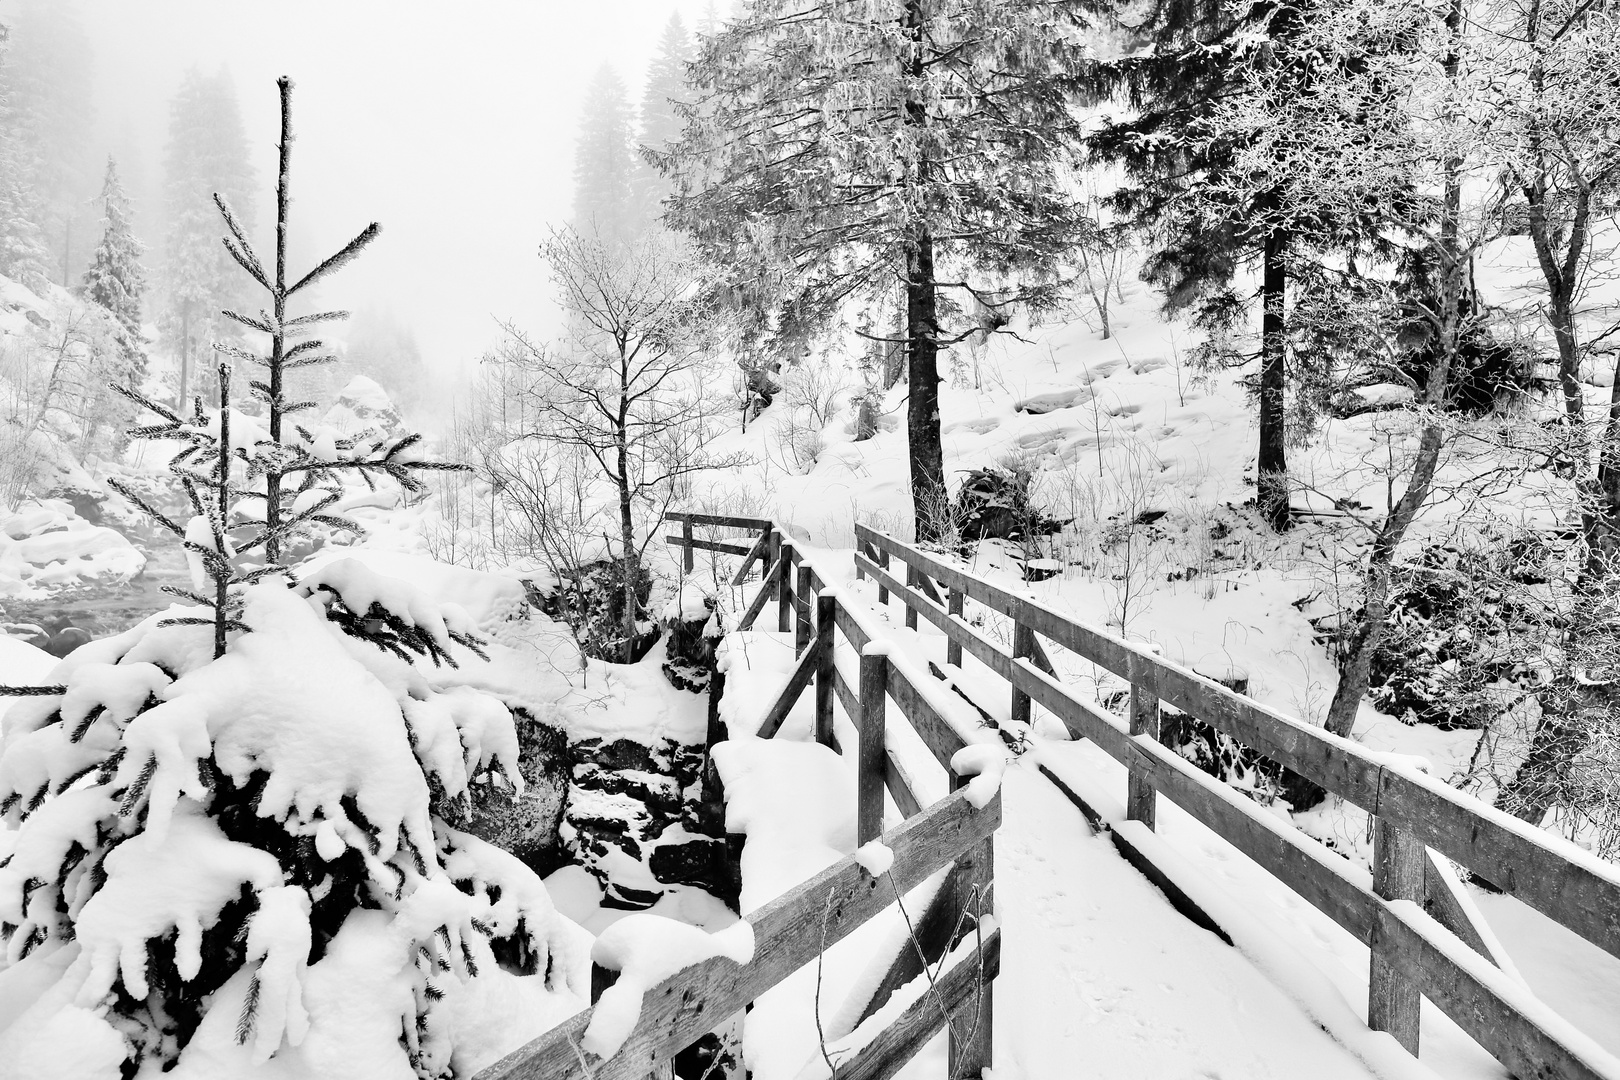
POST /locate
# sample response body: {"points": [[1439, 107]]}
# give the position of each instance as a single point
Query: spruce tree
{"points": [[116, 280], [605, 162], [661, 123], [1189, 55], [23, 255], [840, 149], [207, 153], [48, 81]]}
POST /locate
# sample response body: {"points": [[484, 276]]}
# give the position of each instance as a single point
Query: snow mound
{"points": [[45, 545]]}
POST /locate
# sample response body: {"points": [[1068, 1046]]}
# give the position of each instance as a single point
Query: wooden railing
{"points": [[1406, 911], [792, 930]]}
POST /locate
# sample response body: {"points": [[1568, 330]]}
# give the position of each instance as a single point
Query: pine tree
{"points": [[116, 280], [839, 148], [605, 162], [661, 123], [207, 153]]}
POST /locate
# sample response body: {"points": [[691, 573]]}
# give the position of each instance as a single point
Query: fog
{"points": [[451, 124]]}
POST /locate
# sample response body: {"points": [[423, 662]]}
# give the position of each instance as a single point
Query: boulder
{"points": [[527, 825]]}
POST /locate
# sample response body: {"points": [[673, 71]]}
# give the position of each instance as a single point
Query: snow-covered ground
{"points": [[1099, 974]]}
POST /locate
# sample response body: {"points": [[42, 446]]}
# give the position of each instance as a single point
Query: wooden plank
{"points": [[894, 777], [937, 733], [777, 714], [871, 759], [1565, 883], [721, 546], [850, 626], [953, 648], [724, 521], [953, 626], [1495, 1010], [926, 587], [789, 932], [898, 1043], [911, 612], [784, 586], [1023, 646], [935, 931], [1141, 801], [755, 553], [760, 598], [1394, 1003], [1329, 882], [802, 597], [971, 1028], [826, 631], [686, 547], [1446, 900]]}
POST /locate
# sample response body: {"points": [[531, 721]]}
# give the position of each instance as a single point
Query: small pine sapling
{"points": [[219, 833]]}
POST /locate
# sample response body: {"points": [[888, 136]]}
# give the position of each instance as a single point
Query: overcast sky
{"points": [[452, 123]]}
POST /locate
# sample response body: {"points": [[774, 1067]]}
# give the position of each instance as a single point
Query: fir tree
{"points": [[605, 162], [22, 244], [661, 123], [838, 150], [1195, 55], [48, 81], [207, 153], [116, 280]]}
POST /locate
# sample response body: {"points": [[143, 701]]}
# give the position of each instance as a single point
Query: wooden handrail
{"points": [[1413, 956], [1564, 882], [789, 932]]}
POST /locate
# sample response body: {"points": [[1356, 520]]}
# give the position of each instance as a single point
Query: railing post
{"points": [[826, 616], [773, 550], [784, 587], [801, 611], [1023, 645], [1394, 1003], [1141, 799], [911, 612], [883, 592], [953, 648], [971, 1027], [872, 756], [687, 561]]}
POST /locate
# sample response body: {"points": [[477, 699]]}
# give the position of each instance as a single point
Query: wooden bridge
{"points": [[1425, 939]]}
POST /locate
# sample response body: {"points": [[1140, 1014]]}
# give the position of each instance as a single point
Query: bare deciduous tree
{"points": [[628, 385]]}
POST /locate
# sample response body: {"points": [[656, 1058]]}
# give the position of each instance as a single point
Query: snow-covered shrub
{"points": [[693, 626], [1450, 655], [591, 600], [997, 503], [205, 846]]}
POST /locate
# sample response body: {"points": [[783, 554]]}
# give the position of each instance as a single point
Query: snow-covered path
{"points": [[1100, 976]]}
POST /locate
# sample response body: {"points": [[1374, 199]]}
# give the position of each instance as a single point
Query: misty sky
{"points": [[451, 123]]}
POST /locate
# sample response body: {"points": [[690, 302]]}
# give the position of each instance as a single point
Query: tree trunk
{"points": [[1603, 539], [928, 495], [1355, 666], [1272, 467], [627, 524], [185, 355]]}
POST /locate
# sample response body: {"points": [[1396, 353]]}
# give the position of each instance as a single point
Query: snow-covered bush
{"points": [[1452, 654], [208, 848], [998, 503]]}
